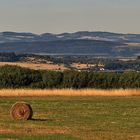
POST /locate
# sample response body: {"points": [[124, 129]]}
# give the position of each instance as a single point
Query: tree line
{"points": [[17, 77]]}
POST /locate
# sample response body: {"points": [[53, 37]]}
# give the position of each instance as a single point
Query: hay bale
{"points": [[21, 111]]}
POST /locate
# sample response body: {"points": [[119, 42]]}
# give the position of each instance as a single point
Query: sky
{"points": [[57, 16]]}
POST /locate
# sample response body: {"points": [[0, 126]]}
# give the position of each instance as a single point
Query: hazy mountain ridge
{"points": [[84, 42], [105, 36]]}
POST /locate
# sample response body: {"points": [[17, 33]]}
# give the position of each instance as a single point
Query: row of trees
{"points": [[135, 65], [17, 77]]}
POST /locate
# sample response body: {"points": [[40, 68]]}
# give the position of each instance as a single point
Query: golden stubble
{"points": [[67, 92]]}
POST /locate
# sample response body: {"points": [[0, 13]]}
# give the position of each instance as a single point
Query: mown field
{"points": [[38, 66], [73, 118]]}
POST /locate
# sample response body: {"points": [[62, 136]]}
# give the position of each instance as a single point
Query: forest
{"points": [[17, 77]]}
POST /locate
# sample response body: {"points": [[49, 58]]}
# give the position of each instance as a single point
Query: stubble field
{"points": [[72, 117], [68, 92]]}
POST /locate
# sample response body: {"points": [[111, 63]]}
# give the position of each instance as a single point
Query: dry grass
{"points": [[68, 92], [35, 130], [35, 66], [73, 118], [82, 66]]}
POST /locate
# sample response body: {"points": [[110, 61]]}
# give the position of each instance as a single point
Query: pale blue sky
{"points": [[57, 16]]}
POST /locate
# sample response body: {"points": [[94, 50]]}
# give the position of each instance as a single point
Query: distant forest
{"points": [[17, 77]]}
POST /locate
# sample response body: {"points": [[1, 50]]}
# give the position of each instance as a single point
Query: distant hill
{"points": [[84, 42]]}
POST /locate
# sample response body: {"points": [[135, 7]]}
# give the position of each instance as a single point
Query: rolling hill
{"points": [[79, 43]]}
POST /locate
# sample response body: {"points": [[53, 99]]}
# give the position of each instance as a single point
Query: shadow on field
{"points": [[41, 120]]}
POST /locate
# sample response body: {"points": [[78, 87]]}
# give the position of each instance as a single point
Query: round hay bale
{"points": [[21, 111]]}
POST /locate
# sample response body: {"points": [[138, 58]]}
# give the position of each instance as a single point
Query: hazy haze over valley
{"points": [[78, 43], [54, 24]]}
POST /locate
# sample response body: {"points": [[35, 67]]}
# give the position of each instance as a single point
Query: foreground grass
{"points": [[73, 118]]}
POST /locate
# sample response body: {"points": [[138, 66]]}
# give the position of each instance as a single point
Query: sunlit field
{"points": [[68, 114], [72, 118], [69, 92], [35, 66]]}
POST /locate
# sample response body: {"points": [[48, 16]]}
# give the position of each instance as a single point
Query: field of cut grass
{"points": [[42, 66], [73, 118], [39, 66], [68, 92]]}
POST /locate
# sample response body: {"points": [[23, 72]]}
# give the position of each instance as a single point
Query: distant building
{"points": [[102, 69]]}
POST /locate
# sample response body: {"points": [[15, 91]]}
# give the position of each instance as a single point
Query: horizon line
{"points": [[70, 32]]}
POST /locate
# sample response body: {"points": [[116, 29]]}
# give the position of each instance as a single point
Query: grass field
{"points": [[68, 92], [39, 66], [73, 118], [43, 66]]}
